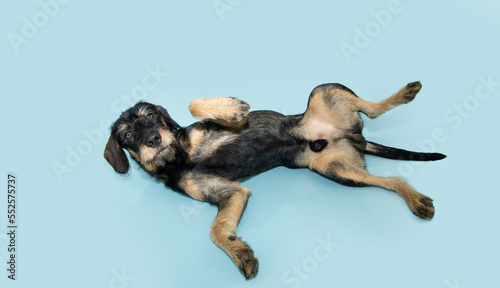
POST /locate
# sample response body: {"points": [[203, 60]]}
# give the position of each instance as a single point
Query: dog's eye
{"points": [[150, 116], [128, 134]]}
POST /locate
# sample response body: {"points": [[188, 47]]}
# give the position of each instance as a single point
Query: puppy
{"points": [[206, 159]]}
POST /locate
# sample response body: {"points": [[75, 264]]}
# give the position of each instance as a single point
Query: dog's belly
{"points": [[264, 144], [246, 156], [319, 128]]}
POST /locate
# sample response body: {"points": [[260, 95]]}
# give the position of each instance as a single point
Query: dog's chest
{"points": [[205, 142], [240, 153]]}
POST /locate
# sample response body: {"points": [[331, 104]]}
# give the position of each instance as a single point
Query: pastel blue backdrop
{"points": [[69, 67]]}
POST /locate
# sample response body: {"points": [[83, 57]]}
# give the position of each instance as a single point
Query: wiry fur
{"points": [[206, 159]]}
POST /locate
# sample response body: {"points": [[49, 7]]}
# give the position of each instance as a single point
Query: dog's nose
{"points": [[153, 140]]}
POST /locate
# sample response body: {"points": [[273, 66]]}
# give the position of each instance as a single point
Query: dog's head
{"points": [[148, 133]]}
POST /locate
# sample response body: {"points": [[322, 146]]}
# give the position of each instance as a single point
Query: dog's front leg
{"points": [[223, 233], [231, 199], [227, 111]]}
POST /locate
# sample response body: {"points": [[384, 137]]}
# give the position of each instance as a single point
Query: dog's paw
{"points": [[236, 109], [247, 263], [251, 268], [409, 92], [423, 208]]}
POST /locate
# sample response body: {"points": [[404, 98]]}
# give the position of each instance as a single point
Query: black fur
{"points": [[262, 144], [400, 154]]}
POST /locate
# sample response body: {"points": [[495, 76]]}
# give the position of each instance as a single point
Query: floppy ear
{"points": [[164, 114], [115, 156]]}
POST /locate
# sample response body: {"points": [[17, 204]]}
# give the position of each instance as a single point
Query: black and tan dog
{"points": [[206, 160]]}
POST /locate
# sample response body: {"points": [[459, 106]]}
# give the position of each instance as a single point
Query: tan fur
{"points": [[227, 110], [317, 122], [403, 96], [320, 123], [195, 138], [134, 155], [210, 146], [189, 185], [198, 146], [340, 151], [122, 128], [151, 159]]}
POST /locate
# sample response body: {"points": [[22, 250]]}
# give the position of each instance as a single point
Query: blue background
{"points": [[88, 227]]}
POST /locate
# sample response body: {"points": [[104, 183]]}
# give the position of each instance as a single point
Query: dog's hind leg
{"points": [[227, 111], [403, 96], [333, 111], [231, 199], [345, 165]]}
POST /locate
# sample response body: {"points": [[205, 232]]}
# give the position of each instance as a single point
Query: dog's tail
{"points": [[400, 154]]}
